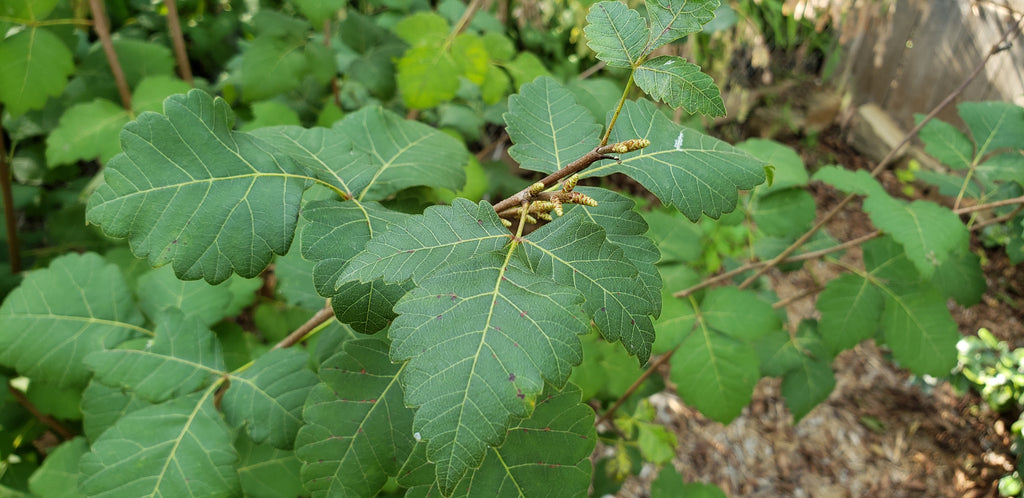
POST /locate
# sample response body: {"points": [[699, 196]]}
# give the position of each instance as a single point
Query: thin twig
{"points": [[463, 23], [885, 162], [990, 205], [997, 219], [102, 26], [592, 70], [574, 167], [607, 415], [315, 321], [178, 40], [47, 420], [792, 299], [335, 87], [13, 249]]}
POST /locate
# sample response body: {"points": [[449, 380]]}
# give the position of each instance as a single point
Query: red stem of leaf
{"points": [[47, 420], [178, 40], [8, 199], [102, 26], [315, 321]]}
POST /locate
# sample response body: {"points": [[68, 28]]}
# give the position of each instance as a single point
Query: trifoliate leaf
{"points": [[185, 166], [850, 309], [674, 19], [267, 397], [994, 125], [553, 445], [685, 168], [577, 254], [184, 356], [920, 332], [80, 304], [617, 33], [34, 66], [419, 245], [160, 290], [678, 83], [178, 448], [548, 128], [267, 472], [481, 338], [358, 430]]}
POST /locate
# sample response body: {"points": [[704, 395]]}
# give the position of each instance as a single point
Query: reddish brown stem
{"points": [[887, 160], [335, 88], [574, 167], [102, 26], [607, 415], [13, 249], [178, 41], [315, 321], [47, 420]]}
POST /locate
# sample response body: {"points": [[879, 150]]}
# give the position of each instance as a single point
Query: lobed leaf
{"points": [[418, 245], [616, 33], [547, 127], [691, 171], [184, 356], [674, 19], [577, 254], [481, 338], [178, 448], [358, 430], [267, 397], [678, 83], [80, 304], [208, 200]]}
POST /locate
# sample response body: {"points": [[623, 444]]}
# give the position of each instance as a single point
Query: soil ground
{"points": [[882, 432]]}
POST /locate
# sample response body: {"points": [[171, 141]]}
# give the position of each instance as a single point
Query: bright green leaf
{"points": [[674, 19], [790, 170], [678, 83], [86, 131], [617, 33], [192, 184], [149, 95], [267, 397], [683, 167], [422, 28], [525, 68], [481, 338], [946, 143], [855, 182], [470, 55], [427, 76], [547, 127], [715, 373], [785, 213], [271, 113], [595, 93], [178, 448], [577, 254], [318, 11], [607, 371], [358, 430], [35, 10], [850, 310], [994, 125], [738, 314], [669, 484], [184, 356], [929, 233], [58, 315], [34, 66]]}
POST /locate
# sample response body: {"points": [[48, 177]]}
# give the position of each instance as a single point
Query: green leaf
{"points": [[422, 28], [103, 406], [887, 261], [809, 381], [547, 126], [961, 278], [577, 254], [790, 170], [677, 239], [784, 213], [267, 472], [929, 233], [595, 93], [189, 166], [850, 310], [159, 290], [184, 357], [427, 76], [86, 131], [716, 368], [404, 153], [946, 143], [58, 315], [617, 33], [34, 66], [552, 446], [920, 332], [470, 56], [419, 245], [855, 182], [272, 66], [58, 476], [318, 11], [525, 68], [178, 448], [481, 338], [608, 370], [994, 125], [674, 19], [625, 228], [267, 397], [685, 168], [34, 10], [669, 484], [358, 430], [295, 281], [678, 83], [271, 113]]}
